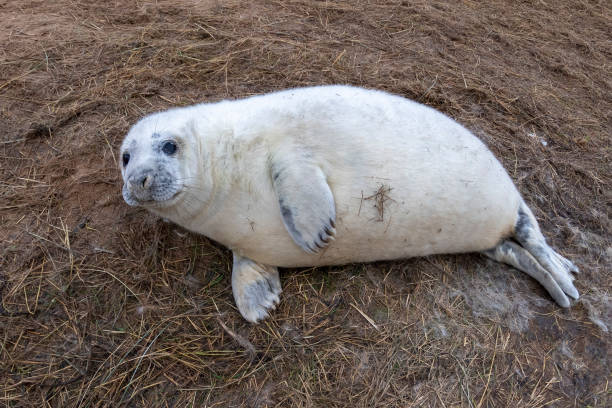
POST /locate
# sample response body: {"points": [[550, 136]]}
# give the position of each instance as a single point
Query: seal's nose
{"points": [[141, 184], [142, 180]]}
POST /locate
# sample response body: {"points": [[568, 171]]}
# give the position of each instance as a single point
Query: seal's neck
{"points": [[209, 168]]}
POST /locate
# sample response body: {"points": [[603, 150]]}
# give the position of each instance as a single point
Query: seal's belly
{"points": [[406, 181], [397, 215]]}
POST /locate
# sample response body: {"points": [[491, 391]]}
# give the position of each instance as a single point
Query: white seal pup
{"points": [[331, 175]]}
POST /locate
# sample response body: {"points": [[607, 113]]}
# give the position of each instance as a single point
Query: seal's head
{"points": [[153, 162]]}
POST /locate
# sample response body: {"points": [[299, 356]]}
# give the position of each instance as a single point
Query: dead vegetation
{"points": [[104, 305], [379, 198]]}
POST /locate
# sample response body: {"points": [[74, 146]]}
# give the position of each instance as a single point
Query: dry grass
{"points": [[379, 198], [104, 305]]}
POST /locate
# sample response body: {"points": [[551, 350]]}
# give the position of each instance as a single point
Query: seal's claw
{"points": [[323, 239], [320, 241], [569, 265], [256, 288]]}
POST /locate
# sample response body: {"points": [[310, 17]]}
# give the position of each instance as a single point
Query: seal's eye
{"points": [[169, 148], [126, 159]]}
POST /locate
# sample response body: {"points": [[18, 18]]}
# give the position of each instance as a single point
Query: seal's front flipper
{"points": [[306, 202], [256, 288]]}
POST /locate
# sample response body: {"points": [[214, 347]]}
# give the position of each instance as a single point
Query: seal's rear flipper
{"points": [[528, 234], [256, 288], [534, 257], [306, 201], [513, 254]]}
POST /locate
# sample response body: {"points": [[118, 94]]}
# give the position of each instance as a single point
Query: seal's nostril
{"points": [[141, 181], [146, 182]]}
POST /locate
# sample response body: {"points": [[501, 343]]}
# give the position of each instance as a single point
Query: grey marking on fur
{"points": [[287, 215], [522, 225], [257, 291]]}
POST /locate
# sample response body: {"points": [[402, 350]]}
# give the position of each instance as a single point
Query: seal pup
{"points": [[331, 175]]}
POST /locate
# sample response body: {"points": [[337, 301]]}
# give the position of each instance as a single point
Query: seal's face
{"points": [[150, 161]]}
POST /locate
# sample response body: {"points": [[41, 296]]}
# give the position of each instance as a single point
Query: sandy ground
{"points": [[103, 305]]}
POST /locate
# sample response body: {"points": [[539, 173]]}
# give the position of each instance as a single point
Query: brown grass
{"points": [[379, 198], [104, 305]]}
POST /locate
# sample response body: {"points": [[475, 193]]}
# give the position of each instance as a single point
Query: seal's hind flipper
{"points": [[306, 202], [533, 256], [527, 233], [511, 253], [256, 288]]}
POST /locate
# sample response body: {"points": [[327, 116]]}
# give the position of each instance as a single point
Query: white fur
{"points": [[448, 193], [276, 178]]}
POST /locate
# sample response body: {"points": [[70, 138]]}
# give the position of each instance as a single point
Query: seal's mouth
{"points": [[160, 203], [154, 200]]}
